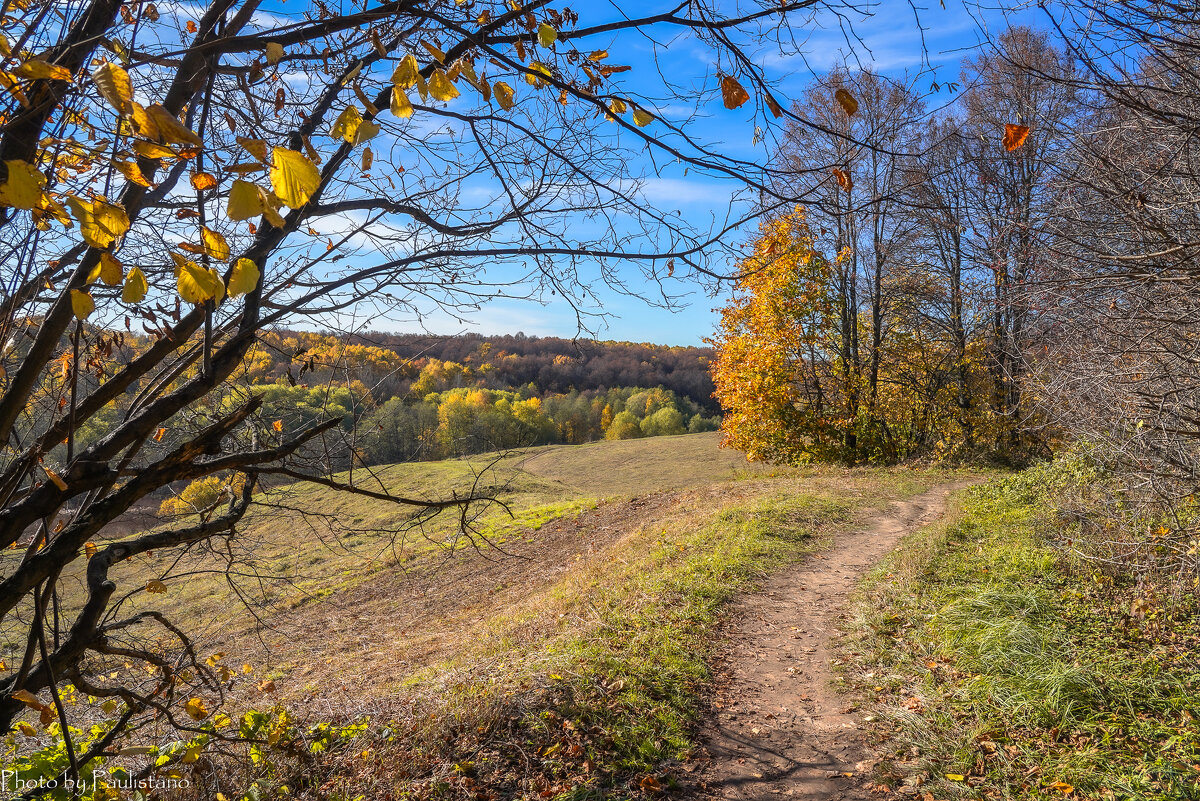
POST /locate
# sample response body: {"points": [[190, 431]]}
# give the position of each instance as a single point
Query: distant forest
{"points": [[559, 365]]}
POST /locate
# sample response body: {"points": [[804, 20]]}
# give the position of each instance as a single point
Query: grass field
{"points": [[1001, 668], [557, 651]]}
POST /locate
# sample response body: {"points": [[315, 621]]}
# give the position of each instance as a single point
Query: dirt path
{"points": [[777, 727]]}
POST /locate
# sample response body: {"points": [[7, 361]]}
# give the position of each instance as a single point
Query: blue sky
{"points": [[890, 41]]}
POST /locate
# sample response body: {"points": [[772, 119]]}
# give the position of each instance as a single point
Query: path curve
{"points": [[776, 727]]}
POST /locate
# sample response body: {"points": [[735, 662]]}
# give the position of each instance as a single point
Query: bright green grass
{"points": [[1004, 671]]}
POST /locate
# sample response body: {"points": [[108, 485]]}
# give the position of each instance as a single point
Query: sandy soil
{"points": [[776, 726]]}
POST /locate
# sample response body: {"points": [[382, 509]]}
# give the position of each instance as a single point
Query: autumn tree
{"points": [[204, 179]]}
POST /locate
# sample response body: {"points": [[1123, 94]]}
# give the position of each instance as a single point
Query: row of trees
{"points": [[894, 305], [1011, 274], [463, 421]]}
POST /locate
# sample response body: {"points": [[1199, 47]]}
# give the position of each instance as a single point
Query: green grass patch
{"points": [[1002, 669]]}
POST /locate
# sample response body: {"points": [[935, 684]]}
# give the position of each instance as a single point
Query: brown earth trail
{"points": [[776, 726]]}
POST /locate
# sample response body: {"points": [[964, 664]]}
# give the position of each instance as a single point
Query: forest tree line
{"points": [[1000, 268]]}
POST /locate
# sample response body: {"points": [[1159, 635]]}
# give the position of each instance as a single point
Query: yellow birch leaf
{"points": [[132, 172], [245, 201], [441, 88], [504, 95], [400, 105], [274, 52], [244, 278], [255, 147], [346, 124], [642, 118], [195, 284], [170, 129], [214, 244], [365, 132], [617, 106], [217, 284], [153, 150], [407, 72], [368, 158], [547, 36], [135, 287], [111, 270], [434, 51], [196, 709], [89, 549], [26, 729], [846, 101], [114, 86], [82, 304], [22, 189], [293, 177], [36, 69], [100, 222], [143, 124]]}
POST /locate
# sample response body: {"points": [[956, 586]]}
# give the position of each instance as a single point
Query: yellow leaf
{"points": [[617, 106], [135, 287], [400, 105], [504, 95], [82, 304], [274, 51], [955, 777], [28, 699], [202, 181], [368, 158], [12, 84], [277, 425], [89, 549], [143, 124], [255, 147], [36, 69], [846, 101], [111, 270], [732, 92], [642, 118], [156, 586], [196, 284], [159, 434], [100, 222], [434, 51], [537, 74], [132, 172], [26, 729], [441, 88], [598, 55], [547, 36], [407, 72], [196, 709], [366, 131], [214, 244], [152, 150], [244, 278], [115, 87], [293, 177], [346, 124], [22, 189], [245, 201], [170, 129]]}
